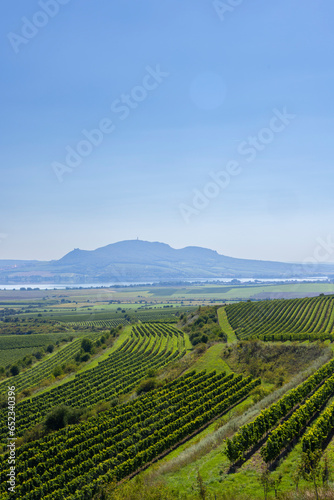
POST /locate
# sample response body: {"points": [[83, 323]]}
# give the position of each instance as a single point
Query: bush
{"points": [[87, 345], [14, 370], [146, 385], [57, 371], [70, 367], [38, 354], [85, 357], [62, 415], [26, 392]]}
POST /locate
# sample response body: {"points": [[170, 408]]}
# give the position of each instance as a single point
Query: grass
{"points": [[204, 452], [213, 468], [225, 326], [211, 360]]}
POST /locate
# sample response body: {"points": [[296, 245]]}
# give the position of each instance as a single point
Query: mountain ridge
{"points": [[131, 260]]}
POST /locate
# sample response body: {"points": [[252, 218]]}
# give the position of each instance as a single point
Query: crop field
{"points": [[110, 448], [208, 394], [54, 301], [295, 319], [148, 347], [15, 347], [105, 324], [126, 315], [44, 368], [288, 417]]}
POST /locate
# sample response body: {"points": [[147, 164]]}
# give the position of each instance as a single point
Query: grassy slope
{"points": [[225, 326], [180, 467], [213, 466], [211, 360]]}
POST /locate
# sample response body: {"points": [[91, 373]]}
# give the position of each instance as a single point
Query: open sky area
{"points": [[192, 122]]}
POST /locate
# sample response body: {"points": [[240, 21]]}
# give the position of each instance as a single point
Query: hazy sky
{"points": [[190, 122]]}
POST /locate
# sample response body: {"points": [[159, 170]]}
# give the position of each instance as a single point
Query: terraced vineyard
{"points": [[72, 463], [33, 376], [148, 347], [294, 319]]}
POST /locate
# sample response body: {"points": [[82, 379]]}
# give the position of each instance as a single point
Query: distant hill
{"points": [[136, 260]]}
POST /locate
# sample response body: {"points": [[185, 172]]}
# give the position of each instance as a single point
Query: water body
{"points": [[57, 286]]}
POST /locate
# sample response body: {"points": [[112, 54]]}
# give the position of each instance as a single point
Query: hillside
{"points": [[196, 410], [136, 260], [295, 319]]}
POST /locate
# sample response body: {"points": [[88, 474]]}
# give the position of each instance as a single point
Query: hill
{"points": [[136, 260]]}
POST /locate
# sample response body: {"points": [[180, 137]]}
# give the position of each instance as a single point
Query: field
{"points": [[15, 347], [297, 319], [232, 398]]}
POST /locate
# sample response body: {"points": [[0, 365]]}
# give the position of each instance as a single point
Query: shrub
{"points": [[146, 385], [87, 345], [14, 370], [57, 371], [62, 415]]}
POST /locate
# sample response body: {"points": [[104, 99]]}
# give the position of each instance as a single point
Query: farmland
{"points": [[172, 396], [297, 319]]}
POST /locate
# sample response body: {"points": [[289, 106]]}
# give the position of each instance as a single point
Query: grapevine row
{"points": [[250, 434], [119, 373], [284, 433], [273, 317], [74, 461]]}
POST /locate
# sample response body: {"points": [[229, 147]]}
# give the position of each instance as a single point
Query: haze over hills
{"points": [[137, 260]]}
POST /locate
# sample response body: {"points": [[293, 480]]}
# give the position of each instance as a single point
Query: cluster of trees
{"points": [[202, 325]]}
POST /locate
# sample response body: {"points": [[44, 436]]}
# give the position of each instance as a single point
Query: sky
{"points": [[199, 122]]}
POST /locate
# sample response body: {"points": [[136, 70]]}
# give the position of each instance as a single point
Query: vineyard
{"points": [[73, 462], [15, 347], [147, 314], [106, 324], [150, 413], [148, 347], [44, 369], [293, 319], [286, 419]]}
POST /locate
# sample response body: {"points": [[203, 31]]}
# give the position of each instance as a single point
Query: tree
{"points": [[57, 371], [87, 345], [50, 348], [310, 468], [267, 481], [201, 486], [62, 415], [14, 370]]}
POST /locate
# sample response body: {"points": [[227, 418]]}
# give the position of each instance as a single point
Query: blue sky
{"points": [[197, 87]]}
